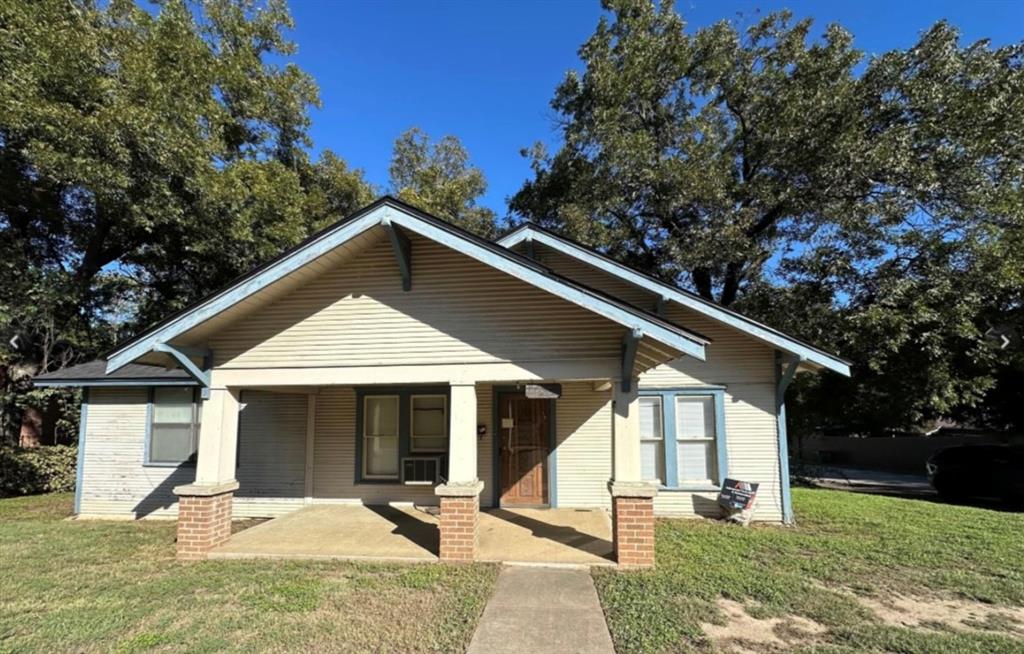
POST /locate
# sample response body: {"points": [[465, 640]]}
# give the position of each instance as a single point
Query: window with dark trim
{"points": [[682, 437], [173, 429], [394, 423]]}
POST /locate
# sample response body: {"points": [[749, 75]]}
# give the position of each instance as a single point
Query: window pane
{"points": [[428, 415], [652, 466], [696, 461], [171, 444], [650, 417], [172, 405], [381, 455], [695, 416], [381, 416]]}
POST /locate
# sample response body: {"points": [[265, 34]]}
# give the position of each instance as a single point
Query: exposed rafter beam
{"points": [[402, 248], [630, 342], [530, 251], [659, 306], [788, 366], [181, 355]]}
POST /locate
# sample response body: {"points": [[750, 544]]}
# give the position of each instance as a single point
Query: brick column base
{"points": [[204, 518], [460, 514], [633, 524]]}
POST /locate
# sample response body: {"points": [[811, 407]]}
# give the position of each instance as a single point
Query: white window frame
{"points": [[661, 439], [671, 439], [713, 439], [397, 436], [412, 423], [194, 424]]}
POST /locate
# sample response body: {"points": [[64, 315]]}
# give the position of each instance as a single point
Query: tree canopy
{"points": [[146, 157], [437, 177], [869, 204]]}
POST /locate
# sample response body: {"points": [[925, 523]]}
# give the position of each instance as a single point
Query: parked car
{"points": [[966, 471]]}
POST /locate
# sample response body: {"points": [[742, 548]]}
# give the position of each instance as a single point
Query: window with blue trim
{"points": [[682, 437], [393, 423], [173, 435]]}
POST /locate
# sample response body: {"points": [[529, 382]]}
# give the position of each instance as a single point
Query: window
{"points": [[380, 436], [428, 430], [652, 447], [174, 426], [395, 423], [682, 439], [695, 439]]}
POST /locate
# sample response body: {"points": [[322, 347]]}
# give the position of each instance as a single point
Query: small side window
{"points": [[174, 430]]}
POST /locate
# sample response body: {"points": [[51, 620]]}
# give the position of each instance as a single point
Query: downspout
{"points": [[785, 369]]}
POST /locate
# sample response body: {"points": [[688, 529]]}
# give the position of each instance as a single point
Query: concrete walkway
{"points": [[540, 610]]}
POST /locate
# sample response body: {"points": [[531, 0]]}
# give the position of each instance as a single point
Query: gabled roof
{"points": [[94, 373], [792, 345], [393, 213]]}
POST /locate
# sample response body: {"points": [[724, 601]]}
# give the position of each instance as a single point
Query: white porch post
{"points": [[626, 430], [218, 438], [462, 435], [204, 507], [632, 498], [460, 497]]}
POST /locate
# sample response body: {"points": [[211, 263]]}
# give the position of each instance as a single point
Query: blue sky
{"points": [[486, 71]]}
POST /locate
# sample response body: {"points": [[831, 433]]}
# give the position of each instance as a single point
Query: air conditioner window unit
{"points": [[421, 470]]}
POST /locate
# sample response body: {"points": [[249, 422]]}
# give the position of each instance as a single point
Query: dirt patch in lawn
{"points": [[945, 614], [742, 633]]}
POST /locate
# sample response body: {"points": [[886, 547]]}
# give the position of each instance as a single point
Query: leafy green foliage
{"points": [[871, 205], [438, 178], [37, 470], [146, 158]]}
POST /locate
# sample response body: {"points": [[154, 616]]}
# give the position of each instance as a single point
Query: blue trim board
{"points": [[112, 383], [785, 370], [394, 213], [668, 413], [532, 233], [83, 420], [552, 462], [404, 394]]}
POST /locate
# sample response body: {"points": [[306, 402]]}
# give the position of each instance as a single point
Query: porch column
{"points": [[632, 498], [460, 497], [204, 507]]}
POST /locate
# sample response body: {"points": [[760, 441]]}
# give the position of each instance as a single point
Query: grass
{"points": [[845, 545], [109, 586]]}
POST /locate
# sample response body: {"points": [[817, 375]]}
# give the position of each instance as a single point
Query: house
{"points": [[395, 358]]}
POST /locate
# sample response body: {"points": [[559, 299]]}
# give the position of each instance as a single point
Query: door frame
{"points": [[550, 464]]}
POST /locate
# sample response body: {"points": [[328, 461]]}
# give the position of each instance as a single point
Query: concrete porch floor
{"points": [[407, 533]]}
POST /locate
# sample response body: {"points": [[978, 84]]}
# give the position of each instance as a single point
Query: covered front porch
{"points": [[410, 533]]}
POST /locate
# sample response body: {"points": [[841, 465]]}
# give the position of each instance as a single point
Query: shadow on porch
{"points": [[408, 533]]}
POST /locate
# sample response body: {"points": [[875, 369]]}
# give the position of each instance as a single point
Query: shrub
{"points": [[29, 471]]}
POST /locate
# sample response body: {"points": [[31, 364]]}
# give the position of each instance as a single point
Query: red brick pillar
{"points": [[633, 524], [460, 514], [204, 518]]}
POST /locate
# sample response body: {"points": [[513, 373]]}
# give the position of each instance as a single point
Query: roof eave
{"points": [[767, 334]]}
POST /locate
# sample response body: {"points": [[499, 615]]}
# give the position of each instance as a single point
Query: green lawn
{"points": [[849, 553], [107, 586]]}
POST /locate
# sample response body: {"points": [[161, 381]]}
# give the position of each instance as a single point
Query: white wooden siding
{"points": [[115, 483], [583, 419], [458, 311], [334, 457], [271, 453], [745, 366]]}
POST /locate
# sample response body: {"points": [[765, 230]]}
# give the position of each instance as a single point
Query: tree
{"points": [[860, 203], [438, 178], [145, 159]]}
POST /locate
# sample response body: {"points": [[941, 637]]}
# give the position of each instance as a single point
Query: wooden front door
{"points": [[524, 430]]}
